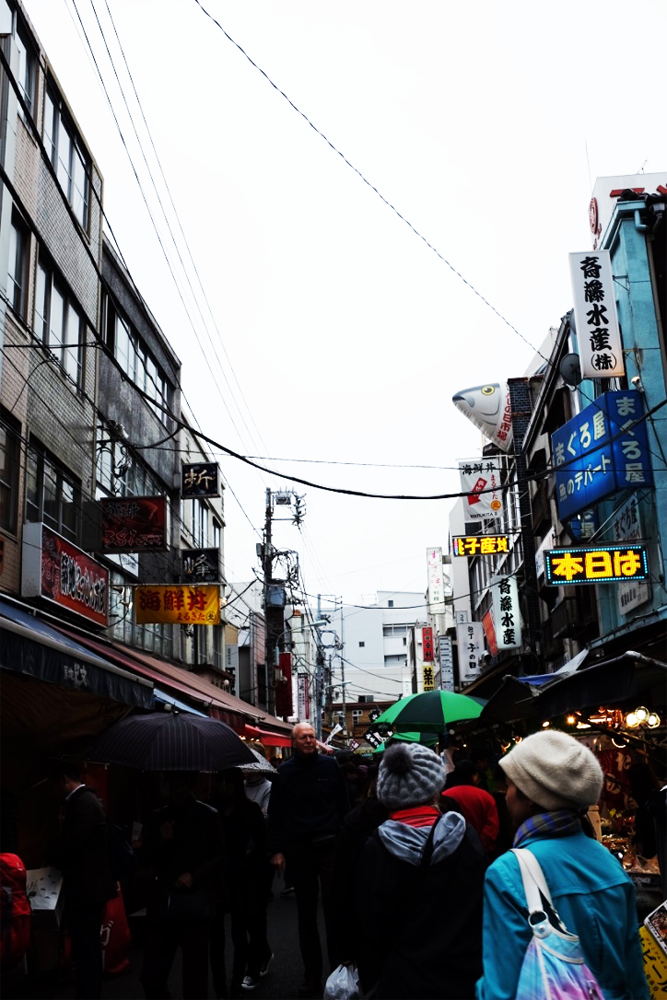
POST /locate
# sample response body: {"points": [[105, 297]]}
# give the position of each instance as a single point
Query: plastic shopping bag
{"points": [[343, 984]]}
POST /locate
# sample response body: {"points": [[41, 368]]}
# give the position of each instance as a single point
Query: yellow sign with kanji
{"points": [[172, 604], [655, 964], [601, 564], [429, 680], [479, 545]]}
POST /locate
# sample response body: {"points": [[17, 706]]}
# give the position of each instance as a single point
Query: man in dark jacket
{"points": [[82, 853], [307, 806]]}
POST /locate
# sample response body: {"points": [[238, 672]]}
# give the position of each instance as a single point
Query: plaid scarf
{"points": [[559, 823]]}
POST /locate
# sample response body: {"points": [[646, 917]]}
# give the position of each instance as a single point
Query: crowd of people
{"points": [[413, 861]]}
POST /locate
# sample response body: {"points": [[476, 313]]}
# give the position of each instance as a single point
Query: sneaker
{"points": [[249, 983], [264, 967]]}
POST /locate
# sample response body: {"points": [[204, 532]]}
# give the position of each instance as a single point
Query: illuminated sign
{"points": [[601, 450], [134, 524], [55, 569], [479, 545], [602, 564], [427, 644], [200, 480], [173, 604]]}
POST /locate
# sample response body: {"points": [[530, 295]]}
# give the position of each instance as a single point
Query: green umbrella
{"points": [[430, 712]]}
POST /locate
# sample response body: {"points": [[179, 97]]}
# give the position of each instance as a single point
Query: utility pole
{"points": [[274, 608]]}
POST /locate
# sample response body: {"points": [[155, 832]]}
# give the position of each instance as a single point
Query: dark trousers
{"points": [[163, 938], [84, 922], [311, 866]]}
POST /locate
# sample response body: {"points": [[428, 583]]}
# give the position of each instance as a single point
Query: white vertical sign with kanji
{"points": [[598, 331], [470, 640], [506, 612]]}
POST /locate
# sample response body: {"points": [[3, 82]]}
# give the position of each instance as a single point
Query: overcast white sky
{"points": [[339, 336]]}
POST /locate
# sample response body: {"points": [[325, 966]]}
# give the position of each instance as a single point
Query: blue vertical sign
{"points": [[601, 450]]}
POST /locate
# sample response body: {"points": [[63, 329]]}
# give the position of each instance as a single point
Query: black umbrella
{"points": [[171, 741]]}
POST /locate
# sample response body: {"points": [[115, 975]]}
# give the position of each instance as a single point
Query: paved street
{"points": [[281, 982]]}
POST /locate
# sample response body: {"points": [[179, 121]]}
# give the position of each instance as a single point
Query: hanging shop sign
{"points": [[436, 587], [506, 612], [134, 524], [303, 696], [200, 565], [488, 407], [201, 479], [490, 632], [284, 685], [428, 679], [601, 564], [427, 644], [58, 571], [480, 482], [627, 527], [176, 605], [601, 450], [479, 545], [470, 640], [446, 653], [598, 331]]}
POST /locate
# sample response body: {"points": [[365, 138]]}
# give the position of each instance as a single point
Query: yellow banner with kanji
{"points": [[176, 605]]}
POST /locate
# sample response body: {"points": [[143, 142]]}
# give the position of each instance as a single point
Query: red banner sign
{"points": [[427, 644], [55, 569], [134, 524]]}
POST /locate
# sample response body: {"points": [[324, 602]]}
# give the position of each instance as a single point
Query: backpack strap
{"points": [[535, 887]]}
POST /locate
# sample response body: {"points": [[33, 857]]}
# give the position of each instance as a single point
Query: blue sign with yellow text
{"points": [[601, 450]]}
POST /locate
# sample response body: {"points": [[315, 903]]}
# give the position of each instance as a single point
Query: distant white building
{"points": [[375, 661]]}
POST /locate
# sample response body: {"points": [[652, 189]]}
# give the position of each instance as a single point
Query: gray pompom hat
{"points": [[555, 771], [410, 775]]}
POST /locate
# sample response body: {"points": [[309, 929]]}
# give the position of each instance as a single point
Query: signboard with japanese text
{"points": [[446, 654], [626, 526], [598, 332], [584, 525], [54, 569], [200, 565], [303, 696], [599, 564], [601, 450], [506, 612], [489, 408], [479, 545], [284, 685], [427, 644], [201, 479], [470, 640], [480, 481], [134, 524], [176, 605], [436, 587], [428, 679], [490, 632]]}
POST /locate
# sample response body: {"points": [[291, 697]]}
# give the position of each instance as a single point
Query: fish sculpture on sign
{"points": [[488, 407]]}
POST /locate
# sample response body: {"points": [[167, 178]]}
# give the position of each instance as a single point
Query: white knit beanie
{"points": [[410, 775], [555, 771]]}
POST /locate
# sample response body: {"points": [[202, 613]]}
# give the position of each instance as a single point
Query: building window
{"points": [[390, 604], [27, 69], [10, 443], [52, 494], [217, 534], [137, 362], [362, 644], [17, 266], [356, 716], [58, 323], [70, 161]]}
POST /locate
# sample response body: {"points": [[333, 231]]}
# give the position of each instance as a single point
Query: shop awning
{"points": [[31, 647], [172, 678], [609, 683], [267, 738]]}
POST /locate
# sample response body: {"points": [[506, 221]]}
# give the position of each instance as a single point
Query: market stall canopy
{"points": [[31, 647], [614, 681]]}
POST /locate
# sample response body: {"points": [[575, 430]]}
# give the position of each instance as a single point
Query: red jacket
{"points": [[479, 809]]}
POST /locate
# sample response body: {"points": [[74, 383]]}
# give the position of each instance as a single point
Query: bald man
{"points": [[307, 806]]}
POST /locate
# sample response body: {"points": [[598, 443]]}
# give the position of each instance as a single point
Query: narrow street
{"points": [[281, 982]]}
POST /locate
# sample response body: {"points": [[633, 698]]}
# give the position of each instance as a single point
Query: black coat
{"points": [[421, 928], [308, 801], [82, 850]]}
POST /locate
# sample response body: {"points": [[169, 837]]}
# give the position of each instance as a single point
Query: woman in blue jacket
{"points": [[552, 779]]}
